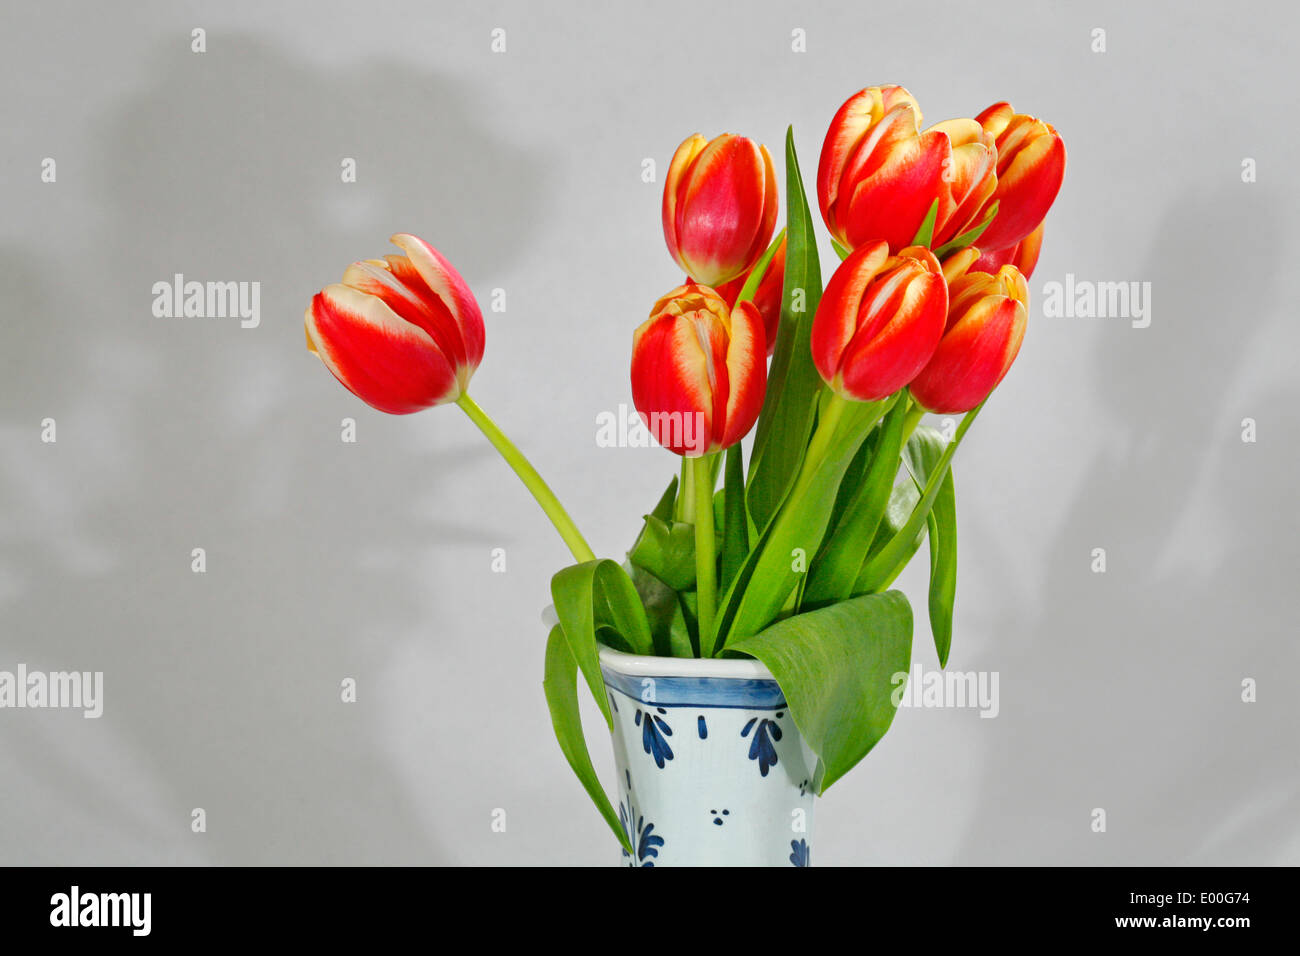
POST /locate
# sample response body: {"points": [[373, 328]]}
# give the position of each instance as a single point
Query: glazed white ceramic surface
{"points": [[711, 769]]}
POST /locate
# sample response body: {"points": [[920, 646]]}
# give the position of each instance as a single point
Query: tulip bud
{"points": [[878, 175], [968, 181], [1031, 167], [719, 207], [1023, 255], [401, 333], [879, 321], [767, 297], [699, 371], [987, 315]]}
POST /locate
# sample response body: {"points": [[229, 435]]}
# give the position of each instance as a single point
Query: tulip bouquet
{"points": [[785, 554]]}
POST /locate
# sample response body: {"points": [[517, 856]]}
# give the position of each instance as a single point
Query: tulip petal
{"points": [[893, 201], [875, 367], [746, 373], [836, 321], [452, 292], [391, 364], [973, 357], [674, 183], [671, 386], [1026, 190]]}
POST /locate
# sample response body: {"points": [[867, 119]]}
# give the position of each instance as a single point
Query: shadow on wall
{"points": [[223, 688], [1141, 667]]}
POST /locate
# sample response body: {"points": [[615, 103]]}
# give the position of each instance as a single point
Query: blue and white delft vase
{"points": [[711, 769]]}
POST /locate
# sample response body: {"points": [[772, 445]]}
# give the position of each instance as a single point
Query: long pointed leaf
{"points": [[598, 594], [735, 522], [885, 565], [922, 455], [793, 384], [561, 689], [836, 569]]}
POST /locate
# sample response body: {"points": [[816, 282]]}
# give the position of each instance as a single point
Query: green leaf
{"points": [[735, 520], [968, 237], [902, 502], [664, 509], [793, 384], [926, 233], [598, 594], [833, 574], [769, 575], [618, 606], [923, 453], [561, 689], [667, 550], [886, 564], [759, 272], [840, 250], [942, 525], [663, 607], [842, 669]]}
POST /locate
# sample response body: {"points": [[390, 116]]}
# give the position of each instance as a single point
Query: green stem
{"points": [[686, 493], [531, 479], [828, 419], [912, 418], [706, 562]]}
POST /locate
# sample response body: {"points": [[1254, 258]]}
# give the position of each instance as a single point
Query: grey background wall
{"points": [[372, 560]]}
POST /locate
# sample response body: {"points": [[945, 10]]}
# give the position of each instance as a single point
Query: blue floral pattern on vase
{"points": [[800, 854], [762, 746], [654, 730], [645, 841]]}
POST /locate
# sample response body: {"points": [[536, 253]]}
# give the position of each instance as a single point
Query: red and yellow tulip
{"points": [[968, 181], [699, 370], [879, 175], [1031, 168], [987, 315], [879, 321], [402, 333], [720, 206]]}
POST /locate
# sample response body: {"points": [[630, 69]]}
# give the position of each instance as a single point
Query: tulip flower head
{"points": [[720, 206], [879, 321], [699, 371], [987, 315], [402, 333], [767, 297], [879, 175], [968, 181], [1031, 168]]}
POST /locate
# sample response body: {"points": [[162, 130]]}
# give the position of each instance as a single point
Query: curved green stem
{"points": [[706, 562], [531, 479]]}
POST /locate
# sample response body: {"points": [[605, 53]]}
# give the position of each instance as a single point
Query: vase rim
{"points": [[643, 665]]}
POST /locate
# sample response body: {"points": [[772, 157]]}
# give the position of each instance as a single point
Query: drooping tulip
{"points": [[1031, 168], [879, 321], [402, 333], [699, 370], [987, 315], [767, 297], [1023, 255], [968, 181], [720, 206], [879, 175]]}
